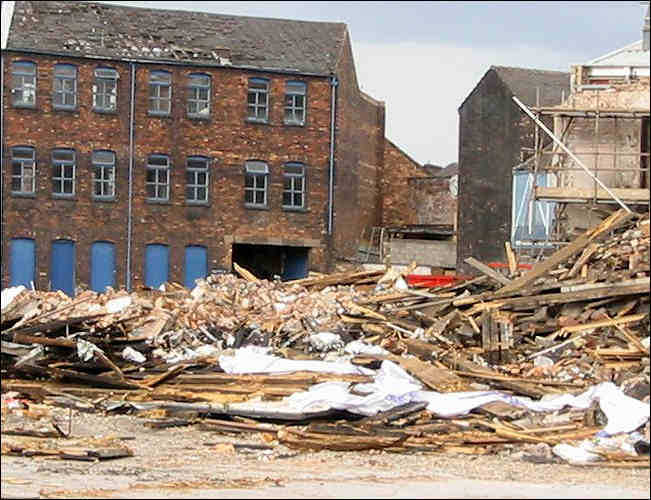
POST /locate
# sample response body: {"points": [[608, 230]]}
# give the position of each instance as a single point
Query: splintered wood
{"points": [[574, 319]]}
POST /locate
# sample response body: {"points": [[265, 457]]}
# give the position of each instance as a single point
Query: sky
{"points": [[423, 58]]}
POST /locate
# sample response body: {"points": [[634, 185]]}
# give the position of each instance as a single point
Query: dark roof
{"points": [[523, 83], [118, 32]]}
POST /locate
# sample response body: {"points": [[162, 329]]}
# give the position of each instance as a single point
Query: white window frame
{"points": [[290, 180], [105, 90], [64, 87], [258, 173], [260, 102], [523, 210], [60, 176], [295, 91], [161, 178], [159, 80], [193, 185], [104, 173], [198, 106], [27, 175], [23, 83]]}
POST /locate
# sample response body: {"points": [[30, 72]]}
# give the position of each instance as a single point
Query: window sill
{"points": [[70, 197], [257, 121], [149, 201], [19, 194], [155, 114], [24, 106], [293, 209], [66, 109], [248, 206], [105, 111], [111, 199], [201, 118], [197, 203], [294, 124]]}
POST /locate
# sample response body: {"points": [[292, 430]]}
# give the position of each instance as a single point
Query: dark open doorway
{"points": [[267, 261]]}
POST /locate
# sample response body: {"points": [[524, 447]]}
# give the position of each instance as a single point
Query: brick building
{"points": [[141, 146], [493, 134]]}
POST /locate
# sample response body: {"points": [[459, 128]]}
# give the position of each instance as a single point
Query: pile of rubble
{"points": [[360, 360]]}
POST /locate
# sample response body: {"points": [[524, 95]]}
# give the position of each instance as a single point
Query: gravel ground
{"points": [[188, 462]]}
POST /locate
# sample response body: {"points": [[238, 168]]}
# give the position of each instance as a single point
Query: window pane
{"points": [[68, 171], [287, 198], [248, 181], [259, 197], [106, 73], [201, 178]]}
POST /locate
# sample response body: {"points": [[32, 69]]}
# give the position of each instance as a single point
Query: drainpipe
{"points": [[132, 100], [333, 96]]}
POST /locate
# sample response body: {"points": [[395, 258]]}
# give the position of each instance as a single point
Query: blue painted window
{"points": [[160, 93], [65, 87], [23, 84], [23, 170], [199, 95], [258, 100], [102, 266], [532, 220], [62, 266], [157, 261], [22, 261], [295, 103], [196, 264]]}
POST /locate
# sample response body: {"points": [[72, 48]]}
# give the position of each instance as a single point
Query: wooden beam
{"points": [[567, 251], [491, 273], [572, 193]]}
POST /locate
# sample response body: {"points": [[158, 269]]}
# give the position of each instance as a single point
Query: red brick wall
{"points": [[359, 158], [226, 137], [431, 202], [397, 208]]}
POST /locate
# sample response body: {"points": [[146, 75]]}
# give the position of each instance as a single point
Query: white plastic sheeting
{"points": [[8, 295], [255, 359], [392, 386]]}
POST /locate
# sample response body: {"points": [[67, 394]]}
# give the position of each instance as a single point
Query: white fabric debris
{"points": [[130, 354], [85, 350], [8, 295], [361, 347], [574, 454], [325, 341], [118, 304], [255, 359]]}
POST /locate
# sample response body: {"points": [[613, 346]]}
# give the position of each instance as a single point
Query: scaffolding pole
{"points": [[572, 155]]}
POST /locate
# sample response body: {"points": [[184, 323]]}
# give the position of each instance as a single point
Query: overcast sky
{"points": [[423, 58]]}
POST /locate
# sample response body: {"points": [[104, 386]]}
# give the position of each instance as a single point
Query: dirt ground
{"points": [[186, 462]]}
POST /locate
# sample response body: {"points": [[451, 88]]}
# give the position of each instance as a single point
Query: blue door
{"points": [[62, 266], [196, 264], [22, 262], [157, 261], [296, 264], [102, 266]]}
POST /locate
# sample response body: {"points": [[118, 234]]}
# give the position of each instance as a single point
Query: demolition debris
{"points": [[551, 357]]}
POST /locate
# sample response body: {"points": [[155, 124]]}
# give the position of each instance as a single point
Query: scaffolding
{"points": [[614, 178]]}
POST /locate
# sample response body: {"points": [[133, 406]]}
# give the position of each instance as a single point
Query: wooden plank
{"points": [[533, 301], [567, 251], [247, 275], [573, 193], [491, 273], [511, 259]]}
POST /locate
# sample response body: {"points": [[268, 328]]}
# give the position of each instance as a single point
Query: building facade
{"points": [[142, 146], [493, 134]]}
